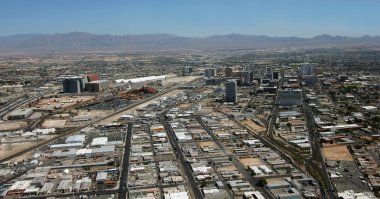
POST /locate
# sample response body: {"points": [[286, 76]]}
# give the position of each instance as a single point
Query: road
{"points": [[247, 175], [317, 153], [190, 177], [91, 123], [123, 188]]}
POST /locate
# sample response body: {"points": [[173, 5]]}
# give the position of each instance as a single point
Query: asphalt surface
{"points": [[247, 175], [89, 124], [125, 171], [317, 154], [190, 177]]}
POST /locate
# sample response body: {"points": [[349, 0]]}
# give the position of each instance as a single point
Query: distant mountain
{"points": [[85, 42]]}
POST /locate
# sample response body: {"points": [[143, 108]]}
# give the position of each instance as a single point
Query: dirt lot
{"points": [[54, 124], [254, 126], [250, 161], [11, 125], [207, 144], [176, 80], [337, 152], [8, 149], [61, 102]]}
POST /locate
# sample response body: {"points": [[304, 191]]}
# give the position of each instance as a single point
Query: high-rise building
{"points": [[307, 69], [99, 85], [231, 91], [269, 70], [213, 72], [228, 72], [275, 75], [290, 97], [187, 70], [73, 85], [210, 72], [246, 77]]}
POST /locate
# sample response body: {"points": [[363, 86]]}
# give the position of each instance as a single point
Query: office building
{"points": [[307, 69], [275, 75], [210, 72], [231, 91], [228, 72], [73, 84], [290, 97], [187, 70], [246, 77]]}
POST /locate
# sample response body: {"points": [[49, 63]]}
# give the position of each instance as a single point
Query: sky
{"points": [[192, 18]]}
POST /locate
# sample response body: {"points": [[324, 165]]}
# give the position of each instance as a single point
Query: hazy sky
{"points": [[305, 18]]}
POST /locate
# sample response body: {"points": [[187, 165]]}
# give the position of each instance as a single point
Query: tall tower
{"points": [[231, 91]]}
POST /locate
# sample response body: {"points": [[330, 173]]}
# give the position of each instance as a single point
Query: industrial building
{"points": [[290, 97], [20, 114], [231, 91], [75, 139]]}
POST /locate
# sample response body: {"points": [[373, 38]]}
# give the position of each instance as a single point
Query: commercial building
{"points": [[187, 70], [246, 77], [307, 69], [290, 97], [99, 85], [275, 75], [74, 84], [210, 72], [231, 91], [75, 139], [228, 72], [20, 114]]}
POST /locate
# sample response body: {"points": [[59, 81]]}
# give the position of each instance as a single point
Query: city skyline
{"points": [[193, 19]]}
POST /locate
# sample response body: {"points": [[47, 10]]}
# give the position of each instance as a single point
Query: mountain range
{"points": [[86, 42]]}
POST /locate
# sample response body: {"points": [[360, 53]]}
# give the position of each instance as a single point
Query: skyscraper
{"points": [[73, 85], [231, 91], [307, 69], [228, 72], [210, 72], [246, 77], [187, 70]]}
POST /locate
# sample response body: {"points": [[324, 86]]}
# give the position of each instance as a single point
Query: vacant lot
{"points": [[337, 152]]}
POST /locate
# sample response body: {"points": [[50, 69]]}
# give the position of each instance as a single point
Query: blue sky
{"points": [[305, 18]]}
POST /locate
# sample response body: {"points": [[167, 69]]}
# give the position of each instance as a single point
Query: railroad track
{"points": [[72, 131]]}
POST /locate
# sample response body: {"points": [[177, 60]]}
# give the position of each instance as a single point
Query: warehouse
{"points": [[102, 151], [99, 141], [75, 139], [19, 187], [101, 177], [20, 114]]}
